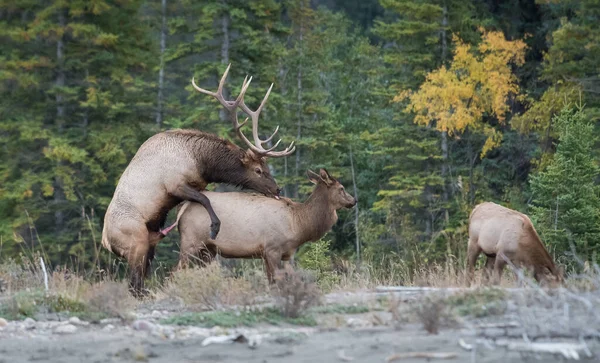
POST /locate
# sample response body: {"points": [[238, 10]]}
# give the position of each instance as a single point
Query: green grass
{"points": [[231, 319], [342, 309], [27, 304], [479, 303]]}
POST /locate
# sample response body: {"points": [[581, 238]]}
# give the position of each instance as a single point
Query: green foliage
{"points": [[232, 319], [565, 195], [479, 303], [25, 304], [315, 257], [341, 309], [79, 95]]}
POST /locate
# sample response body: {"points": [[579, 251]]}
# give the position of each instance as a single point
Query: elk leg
{"points": [[149, 259], [489, 267], [271, 262], [137, 257], [473, 252], [498, 268], [186, 192]]}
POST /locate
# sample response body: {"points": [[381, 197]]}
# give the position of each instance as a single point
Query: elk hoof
{"points": [[214, 230]]}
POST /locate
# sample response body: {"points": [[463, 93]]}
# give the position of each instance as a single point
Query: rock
{"points": [[494, 332], [65, 329], [76, 321], [143, 325], [110, 321], [3, 322], [108, 327], [156, 314], [29, 323], [357, 323]]}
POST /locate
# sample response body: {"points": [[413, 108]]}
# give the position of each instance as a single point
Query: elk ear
{"points": [[313, 177], [249, 156], [326, 177]]}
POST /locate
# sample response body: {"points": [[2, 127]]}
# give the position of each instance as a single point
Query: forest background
{"points": [[422, 108]]}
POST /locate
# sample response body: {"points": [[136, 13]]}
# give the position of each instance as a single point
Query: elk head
{"points": [[258, 176], [338, 197]]}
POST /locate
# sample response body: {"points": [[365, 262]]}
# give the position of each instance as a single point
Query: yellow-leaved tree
{"points": [[478, 82]]}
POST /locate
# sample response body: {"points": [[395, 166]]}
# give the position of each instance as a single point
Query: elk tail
{"points": [[105, 242], [181, 208]]}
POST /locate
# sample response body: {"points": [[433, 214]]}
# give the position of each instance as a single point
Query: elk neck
{"points": [[221, 161], [315, 216]]}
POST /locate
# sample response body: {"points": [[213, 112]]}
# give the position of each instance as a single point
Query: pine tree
{"points": [[566, 197], [73, 93]]}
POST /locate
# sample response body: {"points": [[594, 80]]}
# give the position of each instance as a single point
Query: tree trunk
{"points": [[59, 195], [444, 134], [225, 60], [161, 72], [356, 210], [299, 100]]}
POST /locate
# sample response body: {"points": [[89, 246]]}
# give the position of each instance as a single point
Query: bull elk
{"points": [[259, 227], [504, 234], [177, 165]]}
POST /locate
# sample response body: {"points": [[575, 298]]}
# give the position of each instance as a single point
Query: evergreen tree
{"points": [[566, 197], [72, 95]]}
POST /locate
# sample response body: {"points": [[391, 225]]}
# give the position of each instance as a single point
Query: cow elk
{"points": [[259, 227], [505, 235], [177, 165]]}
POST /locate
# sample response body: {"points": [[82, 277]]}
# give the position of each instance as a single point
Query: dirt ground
{"points": [[373, 336]]}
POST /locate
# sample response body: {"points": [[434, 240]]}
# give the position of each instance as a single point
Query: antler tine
{"points": [[202, 90], [271, 137], [232, 106], [240, 99], [287, 151], [274, 146], [264, 101], [223, 78]]}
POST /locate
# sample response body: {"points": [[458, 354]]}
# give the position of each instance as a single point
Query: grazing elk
{"points": [[259, 227], [174, 166], [504, 234]]}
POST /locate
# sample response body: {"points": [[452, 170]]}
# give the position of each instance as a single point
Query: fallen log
{"points": [[425, 355]]}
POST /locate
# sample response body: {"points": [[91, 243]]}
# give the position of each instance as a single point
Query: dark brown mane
{"points": [[195, 135]]}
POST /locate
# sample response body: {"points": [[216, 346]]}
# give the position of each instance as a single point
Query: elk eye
{"points": [[258, 171]]}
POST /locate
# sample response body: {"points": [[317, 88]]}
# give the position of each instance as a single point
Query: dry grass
{"points": [[295, 292], [110, 298], [209, 288], [22, 275], [433, 312]]}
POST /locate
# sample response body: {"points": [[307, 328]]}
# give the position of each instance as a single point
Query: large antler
{"points": [[232, 106]]}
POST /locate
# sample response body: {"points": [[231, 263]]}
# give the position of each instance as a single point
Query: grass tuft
{"points": [[232, 319]]}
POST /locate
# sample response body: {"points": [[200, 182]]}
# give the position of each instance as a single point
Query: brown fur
{"points": [[259, 227], [168, 168], [500, 232]]}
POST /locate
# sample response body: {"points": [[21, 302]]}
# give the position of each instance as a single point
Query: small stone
{"points": [[76, 321], [494, 332], [108, 327], [29, 321], [110, 321], [156, 314], [143, 325], [65, 329], [3, 322]]}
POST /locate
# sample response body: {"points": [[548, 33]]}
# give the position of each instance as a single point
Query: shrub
{"points": [[110, 298], [433, 313], [295, 292], [209, 288]]}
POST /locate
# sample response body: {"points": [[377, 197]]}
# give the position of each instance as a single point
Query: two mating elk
{"points": [[259, 227], [175, 166], [504, 234]]}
